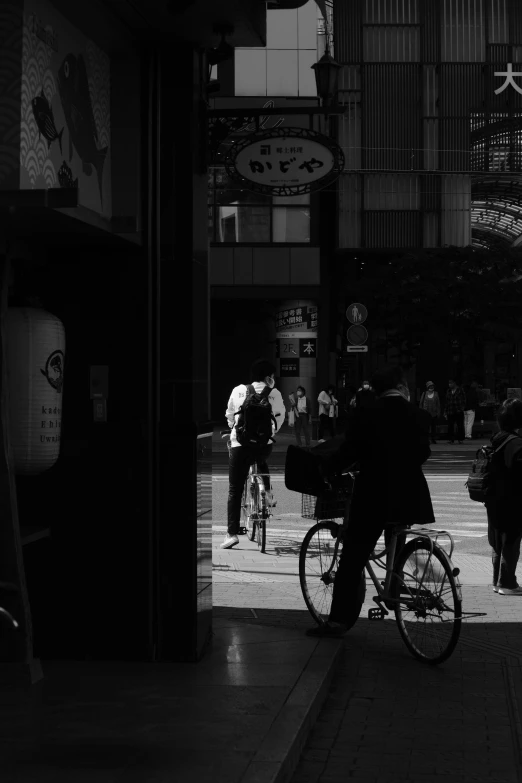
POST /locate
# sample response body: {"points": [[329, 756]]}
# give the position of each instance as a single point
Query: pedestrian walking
{"points": [[389, 443], [472, 404], [365, 396], [454, 411], [302, 416], [504, 507], [328, 412], [430, 402]]}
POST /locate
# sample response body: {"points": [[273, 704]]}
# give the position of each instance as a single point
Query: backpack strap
{"points": [[504, 443]]}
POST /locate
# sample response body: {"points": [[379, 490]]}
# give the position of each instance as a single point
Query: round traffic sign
{"points": [[356, 335], [356, 313]]}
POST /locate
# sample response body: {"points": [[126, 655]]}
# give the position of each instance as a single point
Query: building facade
{"points": [[269, 255], [432, 134]]}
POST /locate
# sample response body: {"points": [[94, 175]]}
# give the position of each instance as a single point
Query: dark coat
{"points": [[390, 442], [504, 508], [365, 398], [472, 399]]}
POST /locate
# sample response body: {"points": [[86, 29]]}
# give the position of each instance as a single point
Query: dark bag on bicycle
{"points": [[255, 419], [484, 471], [306, 471]]}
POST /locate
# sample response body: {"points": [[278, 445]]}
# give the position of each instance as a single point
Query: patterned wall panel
{"points": [[463, 31], [430, 31], [391, 117], [347, 23], [350, 195], [11, 43], [391, 191], [391, 11], [392, 229], [391, 44]]}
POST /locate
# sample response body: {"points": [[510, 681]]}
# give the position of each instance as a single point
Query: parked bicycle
{"points": [[421, 585], [255, 511]]}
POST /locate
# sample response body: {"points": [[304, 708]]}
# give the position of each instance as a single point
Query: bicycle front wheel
{"points": [[318, 564], [430, 609]]}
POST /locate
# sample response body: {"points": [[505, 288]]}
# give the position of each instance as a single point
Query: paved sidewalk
{"points": [[389, 717]]}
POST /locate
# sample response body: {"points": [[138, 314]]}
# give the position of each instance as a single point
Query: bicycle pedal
{"points": [[376, 614]]}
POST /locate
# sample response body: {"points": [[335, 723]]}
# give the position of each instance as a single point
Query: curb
{"points": [[277, 758]]}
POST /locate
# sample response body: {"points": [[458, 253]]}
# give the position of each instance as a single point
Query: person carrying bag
{"points": [[504, 499], [302, 416]]}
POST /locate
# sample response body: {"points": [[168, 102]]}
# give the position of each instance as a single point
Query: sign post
{"points": [[356, 334]]}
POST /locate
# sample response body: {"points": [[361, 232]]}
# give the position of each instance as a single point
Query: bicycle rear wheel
{"points": [[260, 513], [247, 510], [318, 563], [429, 613]]}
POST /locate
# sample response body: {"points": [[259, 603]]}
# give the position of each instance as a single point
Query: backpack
{"points": [[482, 474], [255, 418]]}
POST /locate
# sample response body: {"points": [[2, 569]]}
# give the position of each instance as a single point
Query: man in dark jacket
{"points": [[389, 442], [454, 411], [365, 396]]}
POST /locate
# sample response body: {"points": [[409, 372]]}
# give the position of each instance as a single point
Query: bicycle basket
{"points": [[329, 505]]}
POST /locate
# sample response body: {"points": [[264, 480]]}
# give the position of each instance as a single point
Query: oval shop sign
{"points": [[285, 161]]}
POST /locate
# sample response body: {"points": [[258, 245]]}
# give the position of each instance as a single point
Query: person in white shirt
{"points": [[241, 457], [327, 412], [302, 415]]}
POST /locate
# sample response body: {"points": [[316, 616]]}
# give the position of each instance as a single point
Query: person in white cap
{"points": [[430, 402]]}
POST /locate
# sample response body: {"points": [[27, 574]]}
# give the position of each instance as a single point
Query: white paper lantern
{"points": [[35, 350]]}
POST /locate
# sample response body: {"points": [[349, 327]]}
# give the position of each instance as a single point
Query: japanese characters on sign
{"points": [[285, 161], [305, 316], [289, 368], [509, 79]]}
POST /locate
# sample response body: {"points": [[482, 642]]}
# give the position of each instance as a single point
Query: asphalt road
{"points": [[446, 472]]}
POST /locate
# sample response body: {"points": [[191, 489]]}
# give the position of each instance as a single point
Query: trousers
{"points": [[456, 420], [359, 543], [469, 418], [505, 547], [239, 460], [301, 425]]}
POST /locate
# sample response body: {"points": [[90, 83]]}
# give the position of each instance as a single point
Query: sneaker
{"points": [[495, 589], [327, 630], [510, 590], [229, 542]]}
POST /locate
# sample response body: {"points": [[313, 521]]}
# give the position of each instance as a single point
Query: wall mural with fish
{"points": [[65, 109]]}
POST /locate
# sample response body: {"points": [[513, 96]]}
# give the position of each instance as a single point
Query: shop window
{"points": [[238, 215]]}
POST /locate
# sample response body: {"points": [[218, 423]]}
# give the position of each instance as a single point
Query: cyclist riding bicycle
{"points": [[389, 441], [241, 457]]}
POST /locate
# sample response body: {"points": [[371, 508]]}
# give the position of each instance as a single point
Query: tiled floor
{"points": [[120, 723]]}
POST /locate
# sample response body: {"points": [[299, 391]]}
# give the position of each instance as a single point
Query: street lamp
{"points": [[326, 78]]}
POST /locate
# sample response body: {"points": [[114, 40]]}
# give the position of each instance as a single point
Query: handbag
{"points": [[291, 418]]}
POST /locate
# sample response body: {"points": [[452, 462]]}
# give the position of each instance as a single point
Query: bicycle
{"points": [[421, 584], [4, 614], [254, 504]]}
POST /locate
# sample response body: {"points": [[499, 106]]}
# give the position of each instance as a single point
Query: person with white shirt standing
{"points": [[302, 415], [328, 408], [241, 457]]}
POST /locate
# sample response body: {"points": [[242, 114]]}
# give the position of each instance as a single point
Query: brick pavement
{"points": [[389, 717]]}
